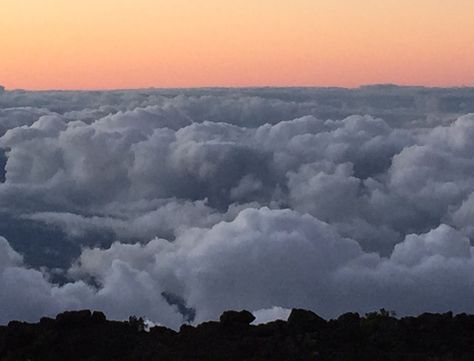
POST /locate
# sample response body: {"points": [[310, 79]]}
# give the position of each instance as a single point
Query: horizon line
{"points": [[256, 87]]}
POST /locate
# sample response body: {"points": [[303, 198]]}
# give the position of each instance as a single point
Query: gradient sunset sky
{"points": [[91, 44]]}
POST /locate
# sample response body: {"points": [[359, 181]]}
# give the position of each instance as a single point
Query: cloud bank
{"points": [[158, 202]]}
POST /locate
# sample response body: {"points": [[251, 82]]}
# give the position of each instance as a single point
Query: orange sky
{"points": [[86, 44]]}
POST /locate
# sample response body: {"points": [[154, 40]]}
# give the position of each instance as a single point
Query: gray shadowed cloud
{"points": [[266, 199]]}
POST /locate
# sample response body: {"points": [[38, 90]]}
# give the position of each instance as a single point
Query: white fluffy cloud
{"points": [[270, 260], [29, 294], [265, 199], [270, 314]]}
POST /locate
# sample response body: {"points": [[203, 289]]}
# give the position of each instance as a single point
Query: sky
{"points": [[90, 44]]}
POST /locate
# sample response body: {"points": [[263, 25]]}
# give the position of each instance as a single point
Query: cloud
{"points": [[279, 257], [123, 291], [261, 260], [330, 199], [270, 314]]}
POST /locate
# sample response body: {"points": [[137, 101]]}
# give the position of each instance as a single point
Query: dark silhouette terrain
{"points": [[86, 335]]}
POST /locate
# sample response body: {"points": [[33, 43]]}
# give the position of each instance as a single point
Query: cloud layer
{"points": [[328, 199]]}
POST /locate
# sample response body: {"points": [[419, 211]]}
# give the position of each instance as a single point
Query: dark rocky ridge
{"points": [[86, 335]]}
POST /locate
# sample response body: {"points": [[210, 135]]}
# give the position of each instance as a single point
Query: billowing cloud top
{"points": [[178, 205]]}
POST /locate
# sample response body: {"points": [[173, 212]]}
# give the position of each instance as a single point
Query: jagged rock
{"points": [[163, 334], [278, 327], [305, 321], [86, 336], [349, 317], [74, 318], [185, 329], [47, 322], [98, 317], [12, 325], [231, 318]]}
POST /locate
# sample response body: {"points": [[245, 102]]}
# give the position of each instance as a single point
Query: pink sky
{"points": [[94, 44]]}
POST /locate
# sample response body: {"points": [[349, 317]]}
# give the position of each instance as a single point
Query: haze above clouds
{"points": [[165, 203]]}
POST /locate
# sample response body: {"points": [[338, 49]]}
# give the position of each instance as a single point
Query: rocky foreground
{"points": [[86, 335]]}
